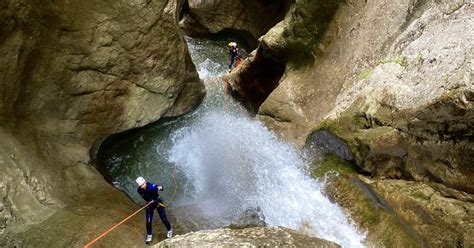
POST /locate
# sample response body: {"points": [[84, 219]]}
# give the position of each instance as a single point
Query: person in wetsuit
{"points": [[234, 54], [149, 192]]}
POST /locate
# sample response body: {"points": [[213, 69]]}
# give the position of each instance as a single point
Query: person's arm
{"points": [[142, 194], [156, 187]]}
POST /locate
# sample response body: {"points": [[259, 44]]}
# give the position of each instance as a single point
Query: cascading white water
{"points": [[233, 163], [227, 162]]}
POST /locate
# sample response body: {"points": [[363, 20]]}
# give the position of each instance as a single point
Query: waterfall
{"points": [[227, 162], [233, 163]]}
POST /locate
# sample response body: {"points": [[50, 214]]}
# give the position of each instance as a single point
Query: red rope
{"points": [[116, 225]]}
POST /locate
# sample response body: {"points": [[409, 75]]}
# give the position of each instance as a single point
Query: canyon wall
{"points": [[74, 73], [392, 79]]}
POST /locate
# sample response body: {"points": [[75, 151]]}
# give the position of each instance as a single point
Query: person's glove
{"points": [[160, 188]]}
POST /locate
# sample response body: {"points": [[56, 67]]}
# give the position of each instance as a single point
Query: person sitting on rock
{"points": [[234, 55], [149, 192]]}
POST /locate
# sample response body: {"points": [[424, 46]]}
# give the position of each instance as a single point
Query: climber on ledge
{"points": [[234, 55], [149, 192]]}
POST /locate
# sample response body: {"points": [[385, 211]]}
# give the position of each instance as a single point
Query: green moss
{"points": [[421, 196], [364, 74], [419, 58], [445, 78], [333, 163], [382, 226], [368, 213], [330, 125], [347, 127], [397, 59], [345, 124], [454, 6]]}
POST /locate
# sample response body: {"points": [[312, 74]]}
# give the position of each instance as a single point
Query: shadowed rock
{"points": [[213, 16]]}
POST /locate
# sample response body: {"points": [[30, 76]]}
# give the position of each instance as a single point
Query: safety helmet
{"points": [[232, 44], [140, 181]]}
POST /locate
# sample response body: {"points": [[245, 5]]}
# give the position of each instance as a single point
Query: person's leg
{"points": [[232, 61], [149, 218], [162, 213]]}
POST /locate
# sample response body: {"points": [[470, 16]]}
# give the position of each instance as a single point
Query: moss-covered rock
{"points": [[367, 209], [442, 216], [333, 164], [296, 37], [400, 213], [431, 142]]}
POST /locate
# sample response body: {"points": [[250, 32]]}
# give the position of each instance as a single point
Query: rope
{"points": [[136, 212], [116, 225]]}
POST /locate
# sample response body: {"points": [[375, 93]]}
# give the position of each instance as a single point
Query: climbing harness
{"points": [[136, 212]]}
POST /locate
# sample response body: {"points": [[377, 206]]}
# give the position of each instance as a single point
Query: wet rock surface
{"points": [[248, 237], [252, 217], [324, 142]]}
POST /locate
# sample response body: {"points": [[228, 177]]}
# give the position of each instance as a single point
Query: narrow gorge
{"points": [[347, 124]]}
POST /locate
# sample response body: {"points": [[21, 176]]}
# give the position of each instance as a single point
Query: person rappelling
{"points": [[149, 192], [234, 55]]}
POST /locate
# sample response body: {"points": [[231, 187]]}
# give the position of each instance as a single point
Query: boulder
{"points": [[247, 237]]}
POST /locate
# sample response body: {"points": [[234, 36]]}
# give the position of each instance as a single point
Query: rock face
{"points": [[384, 227], [201, 17], [287, 44], [412, 116], [248, 237], [359, 38], [443, 216], [392, 79], [255, 79], [400, 213], [73, 74]]}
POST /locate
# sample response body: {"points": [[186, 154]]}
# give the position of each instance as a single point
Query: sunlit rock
{"points": [[248, 237]]}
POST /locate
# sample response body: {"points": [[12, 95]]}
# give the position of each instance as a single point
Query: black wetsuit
{"points": [[151, 194], [234, 53]]}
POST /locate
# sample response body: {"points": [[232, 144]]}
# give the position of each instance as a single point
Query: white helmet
{"points": [[140, 181]]}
